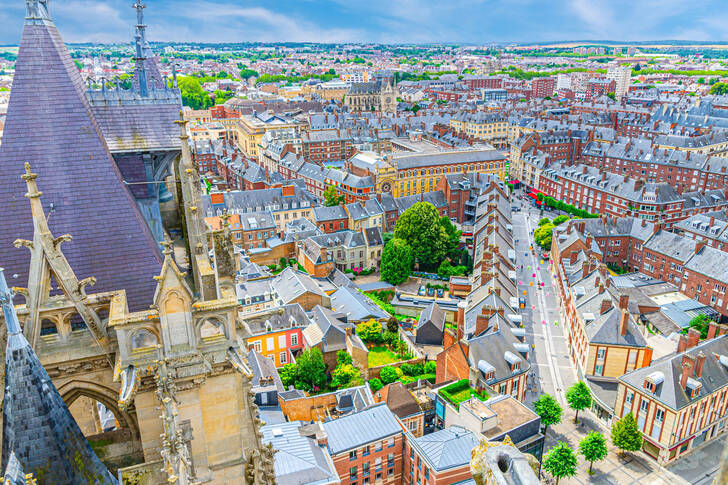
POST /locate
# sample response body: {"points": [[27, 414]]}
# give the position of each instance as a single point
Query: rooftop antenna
{"points": [[139, 40]]}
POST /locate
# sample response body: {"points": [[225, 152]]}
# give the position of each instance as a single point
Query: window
{"points": [[390, 443], [599, 370], [660, 415], [390, 460], [644, 405], [294, 340], [601, 353], [378, 446], [366, 451], [269, 345], [412, 425], [352, 473], [352, 455], [284, 357], [281, 341], [257, 345], [365, 469]]}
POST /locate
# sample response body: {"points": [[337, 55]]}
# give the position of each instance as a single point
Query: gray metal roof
{"points": [[356, 305], [374, 423], [448, 448], [298, 459]]}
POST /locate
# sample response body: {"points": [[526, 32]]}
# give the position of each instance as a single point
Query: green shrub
{"points": [[430, 367], [388, 375], [375, 384]]}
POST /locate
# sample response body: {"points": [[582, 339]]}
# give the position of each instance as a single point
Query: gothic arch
{"points": [[75, 388]]}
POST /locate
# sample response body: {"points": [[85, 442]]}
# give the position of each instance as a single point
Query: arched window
{"points": [[48, 327], [211, 328], [143, 339]]}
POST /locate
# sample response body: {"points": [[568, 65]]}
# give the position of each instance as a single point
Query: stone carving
{"points": [[494, 463]]}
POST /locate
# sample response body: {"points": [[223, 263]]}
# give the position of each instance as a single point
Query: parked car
{"points": [[440, 292], [430, 292], [422, 291], [522, 302]]}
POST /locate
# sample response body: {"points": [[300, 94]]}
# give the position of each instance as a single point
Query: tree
{"points": [[701, 323], [396, 264], [719, 88], [375, 384], [543, 236], [370, 331], [560, 462], [287, 373], [594, 448], [548, 410], [248, 73], [430, 367], [311, 370], [343, 375], [558, 220], [420, 227], [453, 235], [626, 435], [612, 96], [332, 197], [543, 221], [388, 375], [392, 325], [579, 397], [343, 358]]}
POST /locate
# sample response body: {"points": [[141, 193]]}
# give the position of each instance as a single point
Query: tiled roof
{"points": [[50, 124]]}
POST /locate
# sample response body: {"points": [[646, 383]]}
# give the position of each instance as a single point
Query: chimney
{"points": [[597, 282], [712, 330], [461, 319], [589, 240], [693, 337], [623, 319], [644, 222], [585, 269], [682, 344], [699, 245], [572, 257], [699, 364], [722, 329], [606, 305], [482, 322], [688, 364], [623, 301]]}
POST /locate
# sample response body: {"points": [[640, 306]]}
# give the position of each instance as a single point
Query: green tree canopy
{"points": [[453, 236], [375, 384], [626, 435], [420, 227], [370, 331], [310, 370], [392, 325], [332, 197], [719, 88], [343, 375], [192, 93], [701, 323], [548, 410], [558, 220], [543, 236], [388, 375], [593, 447], [579, 397], [543, 221], [560, 462], [343, 357], [397, 260], [248, 73]]}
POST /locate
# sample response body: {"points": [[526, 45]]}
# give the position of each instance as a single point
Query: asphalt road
{"points": [[551, 370]]}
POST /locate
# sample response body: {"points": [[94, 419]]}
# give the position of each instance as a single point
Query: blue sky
{"points": [[389, 21]]}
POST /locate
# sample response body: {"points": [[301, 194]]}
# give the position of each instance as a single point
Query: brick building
{"points": [[326, 146], [542, 87], [367, 446]]}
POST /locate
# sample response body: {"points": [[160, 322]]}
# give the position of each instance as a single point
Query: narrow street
{"points": [[552, 372]]}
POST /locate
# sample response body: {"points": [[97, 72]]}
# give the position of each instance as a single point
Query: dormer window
{"points": [[653, 380], [692, 389]]}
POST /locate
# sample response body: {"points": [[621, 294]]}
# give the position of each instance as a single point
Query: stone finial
{"points": [[168, 246], [29, 178]]}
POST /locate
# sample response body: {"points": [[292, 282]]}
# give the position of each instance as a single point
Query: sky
{"points": [[383, 21]]}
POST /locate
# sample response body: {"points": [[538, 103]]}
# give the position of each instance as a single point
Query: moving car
{"points": [[522, 302]]}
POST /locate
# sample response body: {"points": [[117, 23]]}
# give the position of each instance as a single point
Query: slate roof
{"points": [[277, 319], [356, 305], [672, 245], [263, 367], [433, 314], [50, 124], [447, 448], [38, 428], [333, 213], [400, 400], [326, 326], [291, 283], [669, 392], [149, 126], [298, 459], [709, 262], [371, 424], [415, 160]]}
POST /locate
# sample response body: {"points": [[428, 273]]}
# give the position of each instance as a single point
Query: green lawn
{"points": [[460, 391], [382, 356]]}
